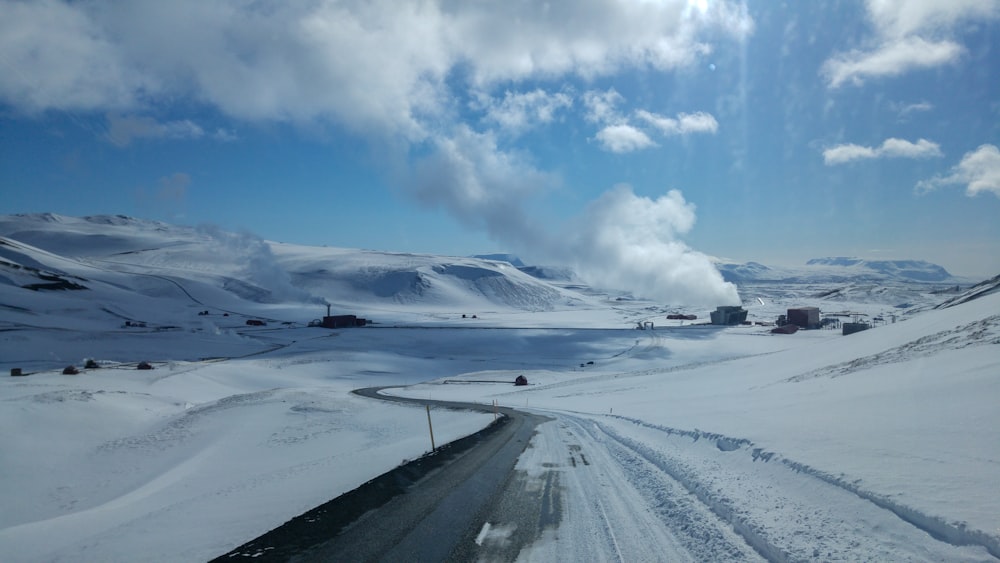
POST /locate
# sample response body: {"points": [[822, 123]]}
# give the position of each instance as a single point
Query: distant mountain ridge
{"points": [[916, 270], [838, 269], [117, 256]]}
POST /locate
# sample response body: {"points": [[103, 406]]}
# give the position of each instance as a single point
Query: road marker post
{"points": [[431, 427]]}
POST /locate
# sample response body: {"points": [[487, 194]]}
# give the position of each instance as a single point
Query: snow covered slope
{"points": [[434, 282]]}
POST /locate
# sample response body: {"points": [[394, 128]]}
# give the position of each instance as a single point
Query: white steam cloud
{"points": [[266, 281], [622, 241], [628, 241]]}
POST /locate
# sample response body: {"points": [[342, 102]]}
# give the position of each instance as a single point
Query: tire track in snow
{"points": [[701, 530], [775, 544]]}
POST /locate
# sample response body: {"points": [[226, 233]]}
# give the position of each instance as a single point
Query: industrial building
{"points": [[342, 321], [729, 315], [339, 321], [804, 317]]}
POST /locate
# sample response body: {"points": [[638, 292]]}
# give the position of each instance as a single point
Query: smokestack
{"points": [[328, 309]]}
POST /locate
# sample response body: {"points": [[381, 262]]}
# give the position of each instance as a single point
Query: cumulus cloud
{"points": [[630, 241], [519, 111], [978, 171], [620, 135], [56, 56], [623, 138], [374, 67], [890, 148], [684, 123], [602, 107], [909, 35]]}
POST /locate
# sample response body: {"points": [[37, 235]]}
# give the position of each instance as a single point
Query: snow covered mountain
{"points": [[116, 264], [914, 270], [838, 270]]}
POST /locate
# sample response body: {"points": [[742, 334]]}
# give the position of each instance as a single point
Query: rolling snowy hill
{"points": [[239, 272]]}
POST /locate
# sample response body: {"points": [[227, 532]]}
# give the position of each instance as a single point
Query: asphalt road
{"points": [[432, 509]]}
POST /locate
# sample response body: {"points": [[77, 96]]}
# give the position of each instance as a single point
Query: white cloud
{"points": [[619, 135], [910, 35], [846, 153], [899, 18], [122, 130], [904, 110], [901, 148], [602, 107], [890, 148], [890, 59], [378, 68], [56, 57], [685, 123], [518, 111], [978, 171], [623, 138]]}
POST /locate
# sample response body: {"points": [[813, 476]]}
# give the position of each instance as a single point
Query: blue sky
{"points": [[598, 134]]}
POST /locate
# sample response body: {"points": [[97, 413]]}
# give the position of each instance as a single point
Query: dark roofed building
{"points": [[729, 315], [342, 321], [804, 317]]}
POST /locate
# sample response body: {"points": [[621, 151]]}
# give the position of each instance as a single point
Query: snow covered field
{"points": [[880, 445]]}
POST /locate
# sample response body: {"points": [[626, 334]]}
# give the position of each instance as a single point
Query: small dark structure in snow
{"points": [[680, 317], [851, 328], [16, 372], [70, 370], [91, 364], [804, 317], [256, 322], [729, 315], [785, 329], [341, 321], [144, 365], [521, 380]]}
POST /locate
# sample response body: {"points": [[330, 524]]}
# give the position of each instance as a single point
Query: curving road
{"points": [[575, 494], [432, 509]]}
